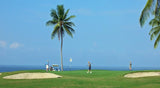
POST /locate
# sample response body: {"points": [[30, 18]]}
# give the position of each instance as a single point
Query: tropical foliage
{"points": [[155, 31], [152, 7], [62, 24]]}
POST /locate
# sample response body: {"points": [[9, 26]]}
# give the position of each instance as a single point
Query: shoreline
{"points": [[10, 68]]}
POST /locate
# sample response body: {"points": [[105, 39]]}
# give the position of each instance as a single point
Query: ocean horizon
{"points": [[10, 68]]}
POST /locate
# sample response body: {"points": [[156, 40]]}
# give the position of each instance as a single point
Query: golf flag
{"points": [[70, 59]]}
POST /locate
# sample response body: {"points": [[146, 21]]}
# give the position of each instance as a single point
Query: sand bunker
{"points": [[142, 74], [32, 76], [0, 73]]}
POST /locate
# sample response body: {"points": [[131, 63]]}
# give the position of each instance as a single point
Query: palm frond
{"points": [[65, 15], [157, 41], [54, 14], [50, 22], [154, 33], [154, 22], [60, 20], [148, 9], [69, 23], [59, 33], [62, 31], [68, 31], [72, 16], [69, 28], [60, 10], [55, 31], [154, 29], [157, 8]]}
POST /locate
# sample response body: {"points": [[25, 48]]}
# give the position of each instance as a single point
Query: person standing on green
{"points": [[89, 69], [130, 66], [47, 66]]}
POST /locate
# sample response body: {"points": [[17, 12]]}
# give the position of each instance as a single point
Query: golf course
{"points": [[80, 44], [80, 79]]}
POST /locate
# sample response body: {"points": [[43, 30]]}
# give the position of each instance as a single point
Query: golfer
{"points": [[89, 69], [47, 67]]}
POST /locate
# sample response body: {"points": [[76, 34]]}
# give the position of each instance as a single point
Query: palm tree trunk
{"points": [[61, 53]]}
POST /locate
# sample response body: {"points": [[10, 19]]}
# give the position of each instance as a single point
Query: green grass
{"points": [[80, 79]]}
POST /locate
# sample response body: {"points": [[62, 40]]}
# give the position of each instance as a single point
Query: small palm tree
{"points": [[62, 24], [155, 31], [151, 7]]}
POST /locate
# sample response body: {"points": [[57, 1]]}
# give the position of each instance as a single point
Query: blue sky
{"points": [[107, 34]]}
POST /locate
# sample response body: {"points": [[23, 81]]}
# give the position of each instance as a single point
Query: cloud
{"points": [[15, 45], [3, 44]]}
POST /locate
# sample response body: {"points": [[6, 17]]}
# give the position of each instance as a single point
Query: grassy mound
{"points": [[80, 79]]}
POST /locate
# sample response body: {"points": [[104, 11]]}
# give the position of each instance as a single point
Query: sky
{"points": [[107, 33]]}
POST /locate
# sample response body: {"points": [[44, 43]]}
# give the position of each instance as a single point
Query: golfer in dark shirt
{"points": [[89, 69]]}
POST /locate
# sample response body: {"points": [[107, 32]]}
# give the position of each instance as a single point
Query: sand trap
{"points": [[32, 76], [142, 74], [0, 73]]}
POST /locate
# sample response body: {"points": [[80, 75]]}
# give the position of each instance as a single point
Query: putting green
{"points": [[81, 79]]}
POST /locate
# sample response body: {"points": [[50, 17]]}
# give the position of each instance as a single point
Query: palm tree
{"points": [[62, 24], [155, 31], [151, 8]]}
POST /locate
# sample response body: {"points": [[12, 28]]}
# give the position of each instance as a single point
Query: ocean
{"points": [[10, 68]]}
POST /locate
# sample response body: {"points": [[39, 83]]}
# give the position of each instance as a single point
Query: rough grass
{"points": [[80, 79]]}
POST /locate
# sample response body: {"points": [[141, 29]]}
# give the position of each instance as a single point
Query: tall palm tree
{"points": [[155, 31], [151, 8], [62, 24]]}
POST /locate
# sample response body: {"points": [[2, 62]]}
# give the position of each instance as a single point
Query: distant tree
{"points": [[155, 31], [152, 7], [62, 24]]}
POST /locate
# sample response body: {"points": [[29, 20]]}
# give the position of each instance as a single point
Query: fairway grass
{"points": [[80, 79]]}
